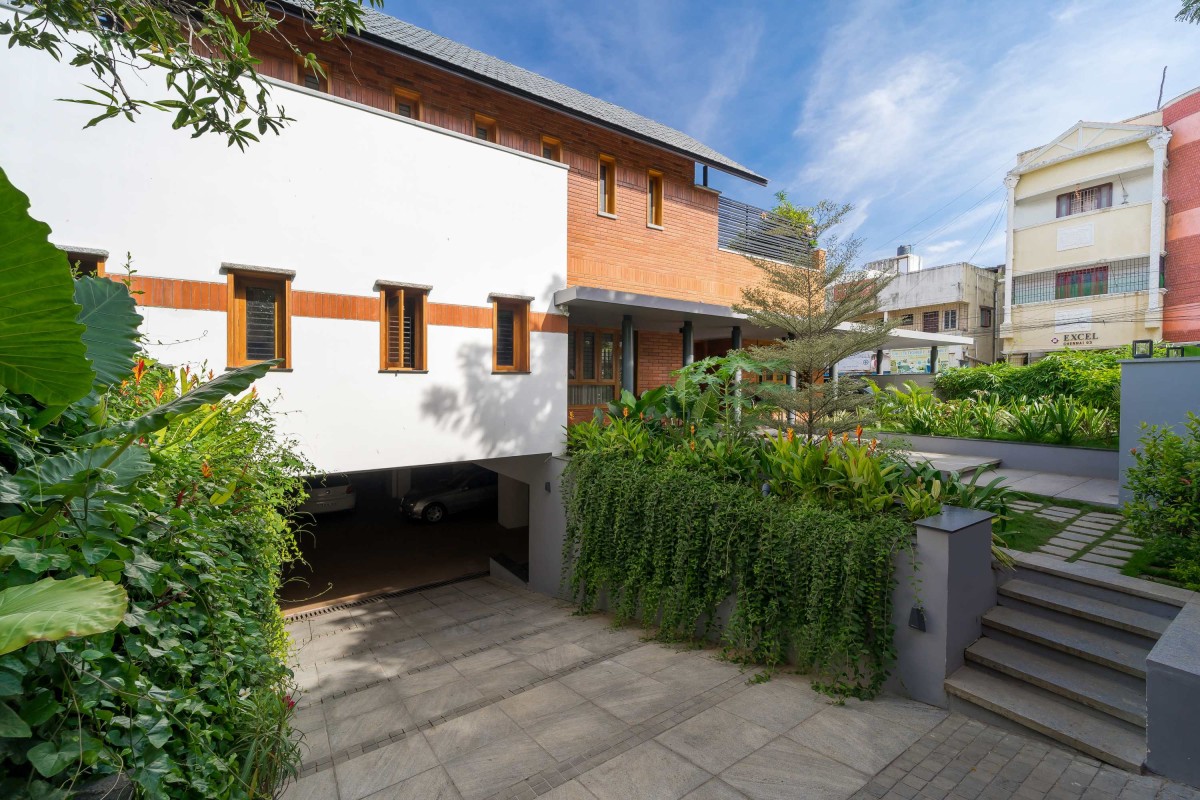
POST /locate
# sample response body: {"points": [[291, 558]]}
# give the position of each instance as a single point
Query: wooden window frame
{"points": [[1070, 284], [1104, 199], [74, 257], [420, 361], [488, 124], [606, 195], [237, 281], [400, 95], [520, 309], [322, 80], [555, 146], [654, 199]]}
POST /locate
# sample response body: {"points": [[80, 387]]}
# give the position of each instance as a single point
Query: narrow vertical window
{"points": [[589, 355], [654, 199], [312, 77], [551, 149], [985, 317], [408, 104], [510, 335], [259, 317], [402, 331], [606, 356], [485, 128], [607, 185]]}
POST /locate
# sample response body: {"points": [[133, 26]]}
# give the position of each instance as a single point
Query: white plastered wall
{"points": [[344, 197]]}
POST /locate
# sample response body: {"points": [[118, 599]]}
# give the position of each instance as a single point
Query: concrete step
{"points": [[1105, 690], [1061, 635], [1107, 585], [1107, 739], [1085, 607]]}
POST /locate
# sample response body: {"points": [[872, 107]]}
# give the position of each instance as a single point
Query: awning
{"points": [[586, 305]]}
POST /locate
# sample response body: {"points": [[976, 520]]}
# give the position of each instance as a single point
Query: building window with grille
{"points": [[607, 186], [259, 317], [949, 319], [402, 339], [929, 322], [1081, 200], [551, 149], [985, 317], [485, 129], [654, 199], [510, 334], [906, 321], [1081, 283], [407, 104]]}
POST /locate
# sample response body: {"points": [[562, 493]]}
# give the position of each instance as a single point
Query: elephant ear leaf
{"points": [[50, 609], [111, 334], [41, 344]]}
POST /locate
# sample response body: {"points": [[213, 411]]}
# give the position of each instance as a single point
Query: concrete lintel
{"points": [[419, 287], [227, 267], [525, 298]]}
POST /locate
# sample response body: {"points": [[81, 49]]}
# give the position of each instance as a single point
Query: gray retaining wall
{"points": [[1087, 462], [1157, 391]]}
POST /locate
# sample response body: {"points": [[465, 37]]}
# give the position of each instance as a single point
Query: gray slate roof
{"points": [[427, 46]]}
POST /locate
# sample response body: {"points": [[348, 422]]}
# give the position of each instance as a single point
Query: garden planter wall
{"points": [[1087, 462], [1156, 391]]}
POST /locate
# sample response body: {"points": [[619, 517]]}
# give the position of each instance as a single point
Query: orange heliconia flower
{"points": [[210, 374], [625, 412], [858, 434], [139, 369], [205, 469], [829, 436], [692, 444], [159, 392]]}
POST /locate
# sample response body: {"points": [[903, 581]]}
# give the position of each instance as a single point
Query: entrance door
{"points": [[593, 370]]}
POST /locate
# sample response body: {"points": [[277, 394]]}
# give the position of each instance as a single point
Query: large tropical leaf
{"points": [[231, 383], [50, 609], [71, 473], [41, 344], [112, 327]]}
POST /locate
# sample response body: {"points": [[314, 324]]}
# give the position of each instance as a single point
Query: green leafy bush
{"points": [[147, 492], [668, 544], [1165, 482], [1092, 377]]}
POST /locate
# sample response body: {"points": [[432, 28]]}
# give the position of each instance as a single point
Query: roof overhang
{"points": [[587, 305]]}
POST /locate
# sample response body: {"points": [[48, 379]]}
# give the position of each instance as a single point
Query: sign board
{"points": [[1076, 236]]}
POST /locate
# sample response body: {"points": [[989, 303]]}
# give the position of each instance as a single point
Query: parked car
{"points": [[327, 494], [461, 493]]}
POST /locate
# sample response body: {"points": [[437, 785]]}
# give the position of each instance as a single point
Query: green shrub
{"points": [[1092, 377], [1165, 482], [668, 544]]}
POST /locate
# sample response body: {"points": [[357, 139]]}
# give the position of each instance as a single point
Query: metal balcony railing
{"points": [[757, 232], [1110, 277]]}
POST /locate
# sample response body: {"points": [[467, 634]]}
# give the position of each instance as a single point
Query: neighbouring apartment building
{"points": [[1102, 235], [958, 299]]}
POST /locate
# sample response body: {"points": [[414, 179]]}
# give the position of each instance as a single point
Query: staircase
{"points": [[1064, 654]]}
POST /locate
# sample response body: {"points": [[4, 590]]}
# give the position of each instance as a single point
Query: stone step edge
{"points": [[993, 620], [1102, 577], [1061, 600], [977, 653], [1005, 696]]}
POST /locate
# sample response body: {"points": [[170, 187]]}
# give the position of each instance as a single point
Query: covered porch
{"points": [[624, 340]]}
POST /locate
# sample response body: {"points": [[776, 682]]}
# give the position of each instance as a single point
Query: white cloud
{"points": [[908, 108]]}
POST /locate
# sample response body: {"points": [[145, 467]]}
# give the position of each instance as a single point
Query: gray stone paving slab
{"points": [[1100, 491], [716, 789], [480, 772], [1128, 547], [573, 731], [461, 735], [318, 786], [854, 738], [572, 790], [1053, 550], [1061, 541], [786, 770], [1077, 536], [1111, 552], [716, 739], [649, 771], [384, 767], [1106, 561], [777, 706], [432, 784]]}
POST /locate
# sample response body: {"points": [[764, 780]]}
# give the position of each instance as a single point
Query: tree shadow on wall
{"points": [[502, 414]]}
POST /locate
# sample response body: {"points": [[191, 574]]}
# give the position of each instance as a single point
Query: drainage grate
{"points": [[316, 612]]}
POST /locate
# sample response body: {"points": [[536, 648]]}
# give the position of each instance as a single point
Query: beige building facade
{"points": [[1086, 240]]}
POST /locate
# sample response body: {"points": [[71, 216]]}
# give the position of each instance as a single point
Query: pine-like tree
{"points": [[814, 298]]}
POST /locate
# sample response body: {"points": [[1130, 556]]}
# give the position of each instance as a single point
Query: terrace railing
{"points": [[1109, 277], [757, 232]]}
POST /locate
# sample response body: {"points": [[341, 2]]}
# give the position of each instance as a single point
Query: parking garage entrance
{"points": [[369, 533]]}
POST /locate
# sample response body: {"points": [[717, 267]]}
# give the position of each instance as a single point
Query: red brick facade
{"points": [[1181, 312]]}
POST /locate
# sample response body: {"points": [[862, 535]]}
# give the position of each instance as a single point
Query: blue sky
{"points": [[910, 110]]}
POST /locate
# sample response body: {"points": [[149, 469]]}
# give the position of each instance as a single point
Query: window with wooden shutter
{"points": [[485, 128], [985, 317], [607, 185], [315, 78], [259, 317], [402, 330], [551, 149], [929, 322], [654, 199], [407, 104], [510, 335]]}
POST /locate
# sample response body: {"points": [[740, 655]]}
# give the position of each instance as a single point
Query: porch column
{"points": [[933, 358], [735, 340], [792, 383], [736, 337], [627, 354], [878, 362], [689, 350]]}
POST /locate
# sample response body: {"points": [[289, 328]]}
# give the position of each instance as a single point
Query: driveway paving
{"points": [[479, 690]]}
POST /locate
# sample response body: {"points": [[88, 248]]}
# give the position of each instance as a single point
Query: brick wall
{"points": [[1181, 311], [680, 261], [658, 355]]}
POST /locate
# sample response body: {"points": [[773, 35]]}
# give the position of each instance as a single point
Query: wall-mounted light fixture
{"points": [[1175, 351], [1143, 348]]}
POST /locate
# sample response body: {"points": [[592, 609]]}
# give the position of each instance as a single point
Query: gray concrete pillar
{"points": [[627, 354], [878, 362], [689, 347], [1172, 698], [736, 337], [951, 583], [933, 360]]}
